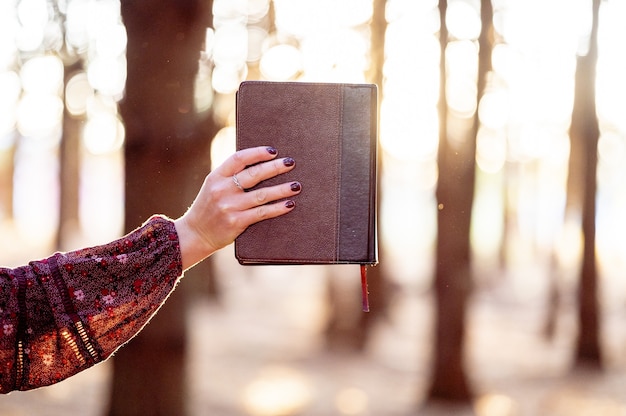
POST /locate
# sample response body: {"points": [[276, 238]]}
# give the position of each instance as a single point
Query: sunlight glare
{"points": [[409, 132], [462, 59], [515, 24], [496, 405], [77, 24], [33, 16], [108, 75], [39, 115], [77, 92], [222, 145], [40, 110], [103, 133], [86, 21], [461, 96], [332, 52], [350, 13], [111, 41], [43, 75], [257, 38], [35, 179], [494, 109], [230, 53], [257, 10], [277, 391], [529, 142], [490, 150], [301, 18], [351, 401], [9, 27], [229, 12], [611, 83], [11, 89], [101, 202], [32, 13], [225, 79], [281, 63], [507, 63], [611, 149], [414, 11], [486, 234], [463, 20], [203, 91], [408, 113]]}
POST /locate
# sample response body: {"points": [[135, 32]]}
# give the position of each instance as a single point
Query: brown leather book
{"points": [[330, 130]]}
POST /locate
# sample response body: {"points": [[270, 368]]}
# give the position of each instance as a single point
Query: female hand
{"points": [[222, 210]]}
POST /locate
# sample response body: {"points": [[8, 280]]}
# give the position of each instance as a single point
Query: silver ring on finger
{"points": [[236, 181]]}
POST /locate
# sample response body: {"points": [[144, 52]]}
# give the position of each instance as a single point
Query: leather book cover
{"points": [[330, 129]]}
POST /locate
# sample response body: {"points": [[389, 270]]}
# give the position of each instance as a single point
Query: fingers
{"points": [[250, 166], [262, 196], [252, 175], [267, 211], [246, 157]]}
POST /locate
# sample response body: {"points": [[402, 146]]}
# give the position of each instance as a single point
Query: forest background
{"points": [[500, 289]]}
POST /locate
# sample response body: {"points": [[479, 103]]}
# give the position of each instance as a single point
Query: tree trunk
{"points": [[377, 280], [166, 161], [452, 271], [7, 165], [69, 165], [455, 194], [585, 131]]}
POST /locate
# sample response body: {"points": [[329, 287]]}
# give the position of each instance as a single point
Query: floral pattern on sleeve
{"points": [[63, 314]]}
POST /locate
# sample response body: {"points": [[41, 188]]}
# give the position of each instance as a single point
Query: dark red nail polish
{"points": [[290, 204], [288, 161], [295, 186], [272, 150]]}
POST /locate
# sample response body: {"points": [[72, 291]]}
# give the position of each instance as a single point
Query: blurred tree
{"points": [[584, 135], [377, 280], [166, 159], [344, 330], [69, 167], [455, 194], [6, 182]]}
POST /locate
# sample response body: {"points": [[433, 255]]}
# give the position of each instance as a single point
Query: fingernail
{"points": [[271, 150], [290, 204], [288, 161], [295, 186]]}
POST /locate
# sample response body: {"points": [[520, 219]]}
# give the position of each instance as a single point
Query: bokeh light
{"points": [[351, 401], [10, 85], [77, 92], [40, 115], [278, 391], [463, 20], [281, 63]]}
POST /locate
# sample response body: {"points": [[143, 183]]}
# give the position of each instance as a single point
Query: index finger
{"points": [[246, 157]]}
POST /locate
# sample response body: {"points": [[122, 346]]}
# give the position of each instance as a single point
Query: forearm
{"points": [[65, 313]]}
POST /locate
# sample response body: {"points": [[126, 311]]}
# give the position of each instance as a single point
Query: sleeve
{"points": [[63, 314]]}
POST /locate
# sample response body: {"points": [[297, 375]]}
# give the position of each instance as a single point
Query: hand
{"points": [[222, 210]]}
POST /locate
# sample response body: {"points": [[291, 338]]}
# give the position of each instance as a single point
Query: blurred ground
{"points": [[259, 352]]}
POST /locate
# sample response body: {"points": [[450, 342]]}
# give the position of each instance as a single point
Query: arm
{"points": [[63, 314]]}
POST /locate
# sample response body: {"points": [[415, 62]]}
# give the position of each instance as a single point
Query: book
{"points": [[330, 129]]}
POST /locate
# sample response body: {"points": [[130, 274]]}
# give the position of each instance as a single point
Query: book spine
{"points": [[357, 226]]}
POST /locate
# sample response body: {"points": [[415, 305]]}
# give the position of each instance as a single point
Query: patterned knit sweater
{"points": [[63, 314]]}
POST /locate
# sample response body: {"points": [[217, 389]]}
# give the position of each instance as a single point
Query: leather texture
{"points": [[330, 129]]}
